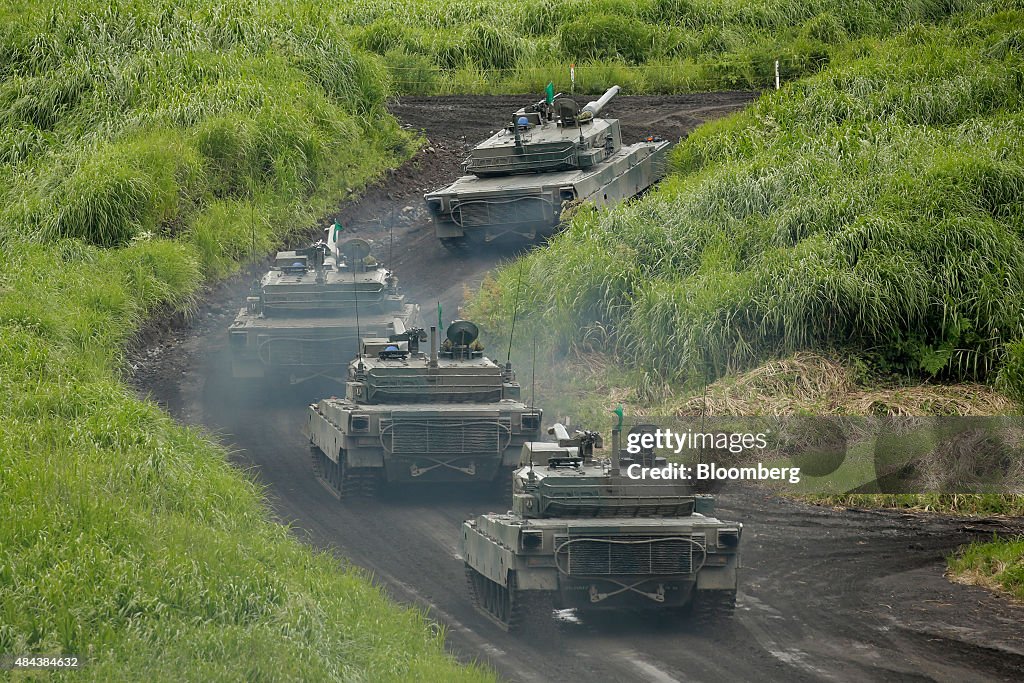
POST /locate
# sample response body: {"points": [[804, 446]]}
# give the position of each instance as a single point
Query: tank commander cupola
{"points": [[462, 341]]}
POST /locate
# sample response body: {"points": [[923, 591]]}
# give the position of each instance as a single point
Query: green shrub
{"points": [[449, 50], [825, 28], [604, 36], [42, 101], [542, 19], [412, 74], [673, 12], [105, 201], [386, 35], [490, 47]]}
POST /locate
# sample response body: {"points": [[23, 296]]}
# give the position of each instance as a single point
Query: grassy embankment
{"points": [[140, 144], [871, 213], [996, 566], [659, 46]]}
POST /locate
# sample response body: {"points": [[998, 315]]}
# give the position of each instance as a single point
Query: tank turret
{"points": [[581, 534], [547, 155], [326, 278], [395, 370], [415, 414], [303, 318], [563, 479], [548, 136]]}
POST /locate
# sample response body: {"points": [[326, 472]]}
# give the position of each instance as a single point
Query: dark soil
{"points": [[825, 594]]}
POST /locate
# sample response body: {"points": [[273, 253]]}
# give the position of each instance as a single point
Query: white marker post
{"points": [[776, 74], [572, 76]]}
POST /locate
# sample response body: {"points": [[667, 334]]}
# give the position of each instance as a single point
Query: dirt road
{"points": [[825, 595]]}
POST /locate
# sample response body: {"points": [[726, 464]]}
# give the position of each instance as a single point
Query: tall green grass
{"points": [[874, 207], [647, 46], [998, 565], [129, 541], [144, 145]]}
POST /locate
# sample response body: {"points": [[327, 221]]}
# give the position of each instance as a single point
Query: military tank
{"points": [[550, 154], [581, 535], [303, 319], [446, 415]]}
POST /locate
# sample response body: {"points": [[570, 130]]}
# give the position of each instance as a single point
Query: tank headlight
{"points": [[728, 538], [531, 540], [360, 423]]}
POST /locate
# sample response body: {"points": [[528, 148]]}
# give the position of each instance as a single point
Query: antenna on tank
{"points": [[703, 415], [355, 298], [391, 244], [533, 376], [252, 230], [515, 313], [254, 300]]}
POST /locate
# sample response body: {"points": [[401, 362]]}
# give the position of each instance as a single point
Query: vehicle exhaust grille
{"points": [[288, 352], [484, 212], [630, 555], [445, 436]]}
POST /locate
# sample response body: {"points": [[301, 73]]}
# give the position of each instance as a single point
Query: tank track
{"points": [[502, 488], [714, 606], [343, 482], [458, 246], [510, 609], [498, 603]]}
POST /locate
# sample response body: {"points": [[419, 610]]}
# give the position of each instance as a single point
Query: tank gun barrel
{"points": [[595, 106]]}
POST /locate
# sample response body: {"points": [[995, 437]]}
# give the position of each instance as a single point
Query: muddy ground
{"points": [[825, 594]]}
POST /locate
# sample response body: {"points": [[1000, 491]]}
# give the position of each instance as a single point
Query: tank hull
{"points": [[460, 443], [530, 205], [608, 563], [299, 348]]}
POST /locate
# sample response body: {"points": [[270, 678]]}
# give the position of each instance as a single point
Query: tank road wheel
{"points": [[316, 454], [510, 608], [498, 603], [343, 481], [472, 584]]}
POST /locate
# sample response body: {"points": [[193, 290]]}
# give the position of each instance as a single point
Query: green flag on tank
{"points": [[337, 231], [440, 322], [549, 93]]}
